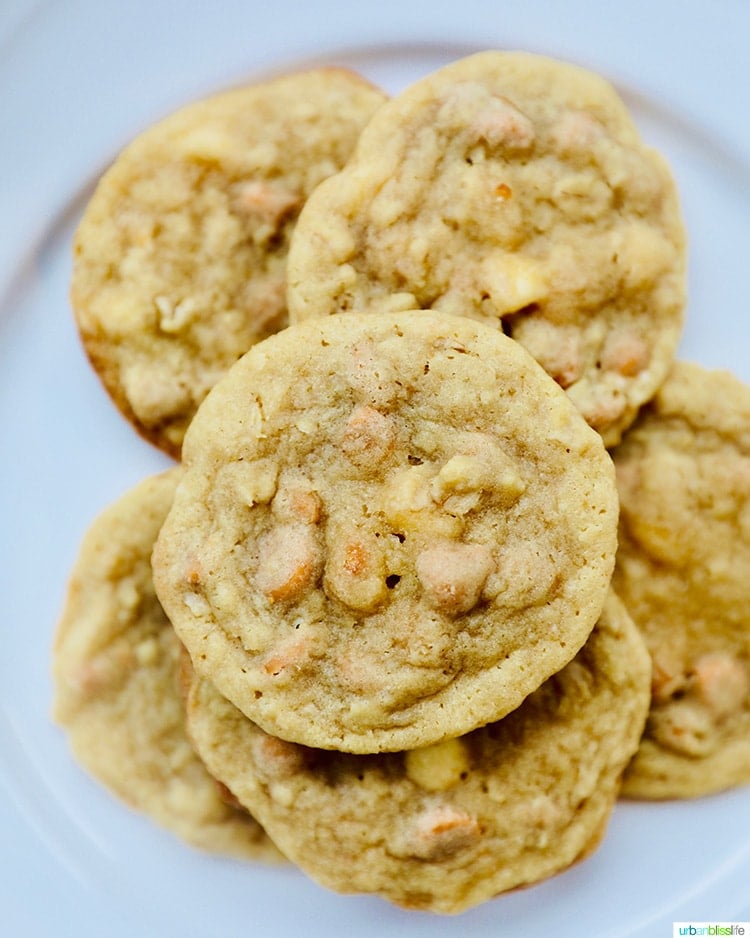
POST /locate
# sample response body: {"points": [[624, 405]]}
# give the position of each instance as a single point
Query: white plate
{"points": [[77, 80]]}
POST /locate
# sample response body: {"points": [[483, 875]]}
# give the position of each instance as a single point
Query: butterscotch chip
{"points": [[447, 827], [683, 568], [385, 603], [179, 261], [117, 670], [515, 190]]}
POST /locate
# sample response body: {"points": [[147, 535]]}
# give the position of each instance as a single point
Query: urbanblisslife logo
{"points": [[710, 928]]}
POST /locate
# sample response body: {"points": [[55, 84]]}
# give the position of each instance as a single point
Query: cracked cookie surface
{"points": [[116, 666], [391, 529], [448, 826], [516, 190], [179, 260], [683, 569]]}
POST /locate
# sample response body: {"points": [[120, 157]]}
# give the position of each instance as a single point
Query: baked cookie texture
{"points": [[683, 569], [446, 827], [390, 530], [179, 261], [516, 190], [117, 669]]}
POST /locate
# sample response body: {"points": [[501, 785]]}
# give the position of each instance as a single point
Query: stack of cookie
{"points": [[386, 633]]}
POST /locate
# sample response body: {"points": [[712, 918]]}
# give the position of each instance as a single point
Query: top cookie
{"points": [[516, 190], [683, 569], [179, 261], [392, 528]]}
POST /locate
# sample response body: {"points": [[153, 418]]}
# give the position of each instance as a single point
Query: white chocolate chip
{"points": [[409, 507], [147, 652], [437, 767], [174, 317], [253, 483], [512, 282], [196, 604], [488, 469]]}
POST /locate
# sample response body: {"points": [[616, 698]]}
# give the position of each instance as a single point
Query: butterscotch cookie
{"points": [[179, 261], [116, 670], [451, 825], [683, 569], [391, 529], [515, 190]]}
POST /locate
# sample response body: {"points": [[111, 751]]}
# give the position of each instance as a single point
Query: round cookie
{"points": [[391, 529], [516, 190], [179, 261], [117, 664], [683, 570], [446, 827]]}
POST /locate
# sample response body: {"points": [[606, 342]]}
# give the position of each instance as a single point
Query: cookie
{"points": [[683, 569], [446, 827], [116, 670], [391, 529], [179, 261], [516, 190]]}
